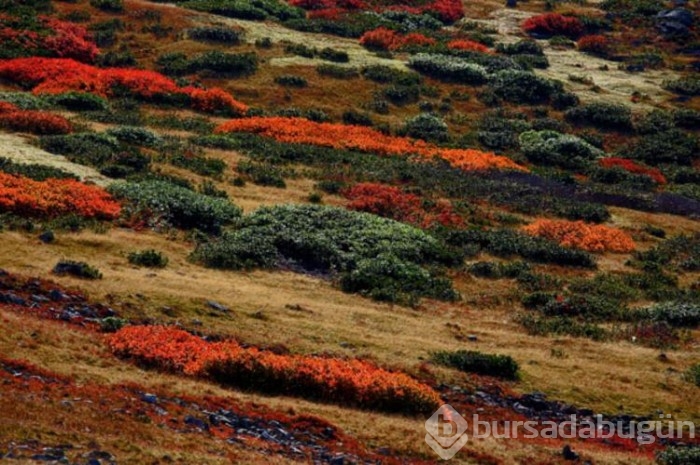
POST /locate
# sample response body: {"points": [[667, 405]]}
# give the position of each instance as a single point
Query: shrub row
{"points": [[348, 382]]}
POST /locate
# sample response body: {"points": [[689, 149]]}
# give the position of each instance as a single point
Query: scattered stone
{"points": [[149, 398], [217, 306], [47, 237], [569, 454], [472, 337]]}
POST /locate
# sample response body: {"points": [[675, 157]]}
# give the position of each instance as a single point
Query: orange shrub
{"points": [[348, 382], [55, 197], [468, 45], [632, 167], [380, 38], [36, 122], [364, 139], [58, 75], [553, 24], [580, 235], [595, 44]]}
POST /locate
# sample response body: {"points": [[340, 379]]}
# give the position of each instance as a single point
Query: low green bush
{"points": [[290, 80], [523, 87], [79, 101], [111, 6], [175, 205], [218, 34], [262, 174], [495, 270], [672, 146], [76, 269], [684, 86], [693, 375], [449, 68], [148, 258], [337, 72], [330, 54], [387, 74], [676, 314], [604, 116], [428, 127], [499, 366], [329, 240], [135, 135], [679, 455], [33, 170], [551, 148]]}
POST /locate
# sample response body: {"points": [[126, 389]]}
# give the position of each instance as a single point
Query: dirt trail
{"points": [[20, 150]]}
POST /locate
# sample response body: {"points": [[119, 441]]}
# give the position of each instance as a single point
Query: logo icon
{"points": [[446, 432]]}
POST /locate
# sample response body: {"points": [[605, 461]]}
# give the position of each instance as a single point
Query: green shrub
{"points": [[76, 269], [300, 50], [203, 166], [135, 135], [290, 80], [507, 243], [85, 148], [337, 72], [24, 100], [79, 101], [219, 34], [499, 366], [679, 455], [683, 117], [693, 375], [330, 54], [224, 64], [676, 314], [262, 174], [523, 87], [321, 239], [358, 119], [546, 326], [521, 47], [448, 68], [551, 148], [33, 170], [112, 324], [175, 205], [257, 10], [495, 270], [672, 146], [604, 116], [428, 127], [685, 86], [400, 94], [112, 6], [387, 74], [148, 258]]}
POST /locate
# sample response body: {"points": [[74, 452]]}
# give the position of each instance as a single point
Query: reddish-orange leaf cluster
{"points": [[59, 38], [467, 45], [349, 382], [57, 75], [386, 39], [633, 167], [392, 202], [554, 24], [596, 44], [364, 139], [36, 122], [447, 10], [580, 235], [55, 197]]}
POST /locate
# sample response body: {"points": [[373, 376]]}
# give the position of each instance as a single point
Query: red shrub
{"points": [[36, 122], [448, 11], [580, 235], [214, 100], [349, 382], [69, 40], [633, 167], [595, 44], [554, 24], [380, 38], [392, 202], [55, 197], [416, 39], [341, 136], [58, 75], [468, 45]]}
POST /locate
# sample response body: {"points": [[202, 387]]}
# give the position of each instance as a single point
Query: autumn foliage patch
{"points": [[57, 76], [554, 24], [467, 45], [303, 131], [391, 202], [633, 167], [55, 197], [580, 235], [348, 382], [386, 39], [36, 122], [595, 44], [448, 11]]}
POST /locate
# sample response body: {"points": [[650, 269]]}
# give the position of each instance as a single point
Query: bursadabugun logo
{"points": [[447, 429], [446, 432]]}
